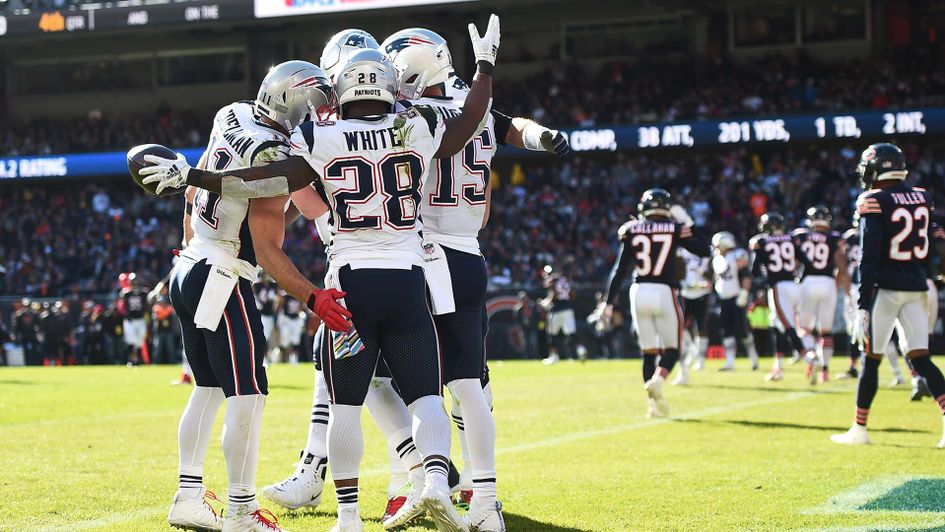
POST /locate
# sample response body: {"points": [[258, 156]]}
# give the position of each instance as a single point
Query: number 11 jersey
{"points": [[373, 170]]}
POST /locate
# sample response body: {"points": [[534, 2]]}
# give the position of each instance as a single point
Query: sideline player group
{"points": [[388, 150], [883, 265]]}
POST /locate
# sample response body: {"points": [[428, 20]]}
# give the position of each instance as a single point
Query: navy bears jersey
{"points": [[135, 301], [938, 239], [775, 258], [851, 240], [818, 250], [646, 247], [895, 225]]}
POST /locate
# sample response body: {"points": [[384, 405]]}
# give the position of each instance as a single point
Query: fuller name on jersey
{"points": [[373, 170], [775, 257], [895, 224], [238, 139], [818, 250]]}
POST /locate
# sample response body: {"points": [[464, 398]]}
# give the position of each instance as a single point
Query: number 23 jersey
{"points": [[373, 171]]}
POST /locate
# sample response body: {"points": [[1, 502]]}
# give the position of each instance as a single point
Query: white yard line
{"points": [[852, 500], [548, 442]]}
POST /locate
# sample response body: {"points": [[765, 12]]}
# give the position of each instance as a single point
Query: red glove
{"points": [[324, 303]]}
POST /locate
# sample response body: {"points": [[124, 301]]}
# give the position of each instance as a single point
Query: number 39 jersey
{"points": [[373, 171], [238, 140], [774, 257], [894, 231], [819, 249], [653, 244]]}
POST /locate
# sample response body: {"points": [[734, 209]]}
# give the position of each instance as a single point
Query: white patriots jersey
{"points": [[454, 204], [373, 171], [695, 284], [238, 140], [727, 282]]}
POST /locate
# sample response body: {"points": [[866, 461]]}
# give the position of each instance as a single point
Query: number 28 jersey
{"points": [[237, 140], [373, 171]]}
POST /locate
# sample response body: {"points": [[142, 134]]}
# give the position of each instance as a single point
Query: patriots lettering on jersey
{"points": [[373, 139]]}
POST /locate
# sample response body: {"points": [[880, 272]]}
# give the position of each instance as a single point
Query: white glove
{"points": [[742, 299], [861, 327], [487, 46], [167, 173], [680, 215]]}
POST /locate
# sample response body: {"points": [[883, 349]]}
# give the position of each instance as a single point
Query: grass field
{"points": [[94, 448]]}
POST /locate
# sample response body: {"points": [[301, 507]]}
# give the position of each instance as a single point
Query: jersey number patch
{"points": [[818, 253], [396, 177], [646, 266], [473, 193], [780, 256], [208, 201], [918, 220]]}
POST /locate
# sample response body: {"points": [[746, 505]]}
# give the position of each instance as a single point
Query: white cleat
{"points": [[855, 436], [436, 501], [681, 380], [651, 411], [897, 381], [775, 374], [348, 521], [941, 443], [698, 365], [552, 359], [195, 513], [259, 520], [485, 519], [654, 387], [412, 508], [303, 488]]}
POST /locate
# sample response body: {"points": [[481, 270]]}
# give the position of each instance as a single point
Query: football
{"points": [[136, 162]]}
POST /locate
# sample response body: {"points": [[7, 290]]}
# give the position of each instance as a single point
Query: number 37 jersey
{"points": [[373, 171], [654, 244]]}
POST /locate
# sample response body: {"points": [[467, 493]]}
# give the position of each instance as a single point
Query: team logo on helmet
{"points": [[399, 44], [356, 40]]}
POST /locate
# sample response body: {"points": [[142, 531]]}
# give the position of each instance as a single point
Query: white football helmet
{"points": [[293, 92], [723, 241], [341, 46], [368, 75], [421, 57]]}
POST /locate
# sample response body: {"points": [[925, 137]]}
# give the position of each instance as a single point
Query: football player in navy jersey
{"points": [[646, 246], [824, 261], [895, 224], [775, 260], [851, 239]]}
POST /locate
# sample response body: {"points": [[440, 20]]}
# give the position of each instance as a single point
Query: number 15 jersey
{"points": [[373, 171]]}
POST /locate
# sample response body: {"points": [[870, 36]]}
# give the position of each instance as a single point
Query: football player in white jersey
{"points": [[694, 289], [454, 210], [211, 290], [732, 291], [376, 255]]}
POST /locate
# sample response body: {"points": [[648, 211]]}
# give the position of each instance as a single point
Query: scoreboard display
{"points": [[92, 18]]}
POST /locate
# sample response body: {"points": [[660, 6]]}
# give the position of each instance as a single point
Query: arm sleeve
{"points": [[871, 242], [503, 123], [756, 270], [622, 266], [693, 243]]}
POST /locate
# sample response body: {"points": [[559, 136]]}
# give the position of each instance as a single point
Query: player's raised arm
{"points": [[462, 128], [526, 133]]}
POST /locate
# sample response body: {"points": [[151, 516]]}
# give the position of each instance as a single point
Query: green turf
{"points": [[916, 495], [95, 449]]}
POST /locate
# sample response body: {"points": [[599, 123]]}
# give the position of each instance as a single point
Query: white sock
{"points": [[457, 414], [808, 341], [892, 356], [749, 343], [193, 436], [729, 344], [345, 449], [431, 434], [703, 347], [778, 361], [317, 443], [241, 427], [480, 435], [392, 417], [825, 346]]}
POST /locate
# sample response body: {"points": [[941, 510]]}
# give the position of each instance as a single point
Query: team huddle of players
{"points": [[389, 152], [883, 264]]}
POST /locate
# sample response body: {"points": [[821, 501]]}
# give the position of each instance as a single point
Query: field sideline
{"points": [[94, 448]]}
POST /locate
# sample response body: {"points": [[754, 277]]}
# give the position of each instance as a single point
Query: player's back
{"points": [[775, 254], [238, 140], [373, 171], [653, 243], [454, 199], [819, 248], [851, 239], [135, 301], [901, 215]]}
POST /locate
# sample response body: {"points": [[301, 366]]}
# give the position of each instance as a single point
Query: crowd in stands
{"points": [[575, 94]]}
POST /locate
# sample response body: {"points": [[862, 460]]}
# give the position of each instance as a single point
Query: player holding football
{"points": [[211, 290], [732, 291], [376, 251], [895, 220], [646, 244], [775, 261], [825, 269]]}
